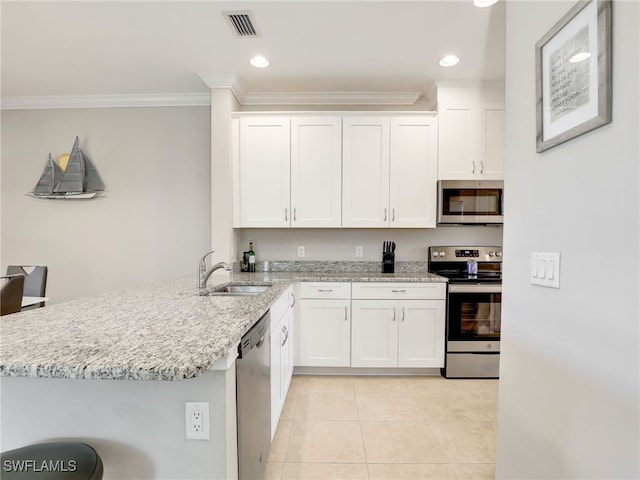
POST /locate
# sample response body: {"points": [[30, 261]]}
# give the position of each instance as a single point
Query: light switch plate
{"points": [[545, 269]]}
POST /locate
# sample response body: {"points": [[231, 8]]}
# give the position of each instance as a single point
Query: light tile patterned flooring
{"points": [[350, 427]]}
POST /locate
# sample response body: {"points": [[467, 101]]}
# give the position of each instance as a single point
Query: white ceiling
{"points": [[129, 48]]}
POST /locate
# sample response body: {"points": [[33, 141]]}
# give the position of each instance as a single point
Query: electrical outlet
{"points": [[359, 251], [301, 251], [196, 420]]}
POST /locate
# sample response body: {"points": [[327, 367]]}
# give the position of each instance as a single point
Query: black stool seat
{"points": [[52, 461]]}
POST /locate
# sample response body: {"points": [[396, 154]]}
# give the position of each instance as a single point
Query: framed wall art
{"points": [[573, 74]]}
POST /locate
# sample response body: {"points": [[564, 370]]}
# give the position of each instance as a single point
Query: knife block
{"points": [[388, 262]]}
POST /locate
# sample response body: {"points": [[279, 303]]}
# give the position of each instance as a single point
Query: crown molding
{"points": [[215, 81], [106, 101], [330, 98], [230, 81]]}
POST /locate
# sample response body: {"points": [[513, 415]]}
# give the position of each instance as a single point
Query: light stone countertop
{"points": [[160, 331]]}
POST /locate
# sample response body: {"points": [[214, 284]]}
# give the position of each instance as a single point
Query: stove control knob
{"points": [[491, 254], [434, 253], [442, 254], [498, 254]]}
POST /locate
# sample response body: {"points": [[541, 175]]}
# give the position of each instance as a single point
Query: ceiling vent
{"points": [[242, 24]]}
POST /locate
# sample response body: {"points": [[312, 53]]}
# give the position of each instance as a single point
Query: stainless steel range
{"points": [[474, 302]]}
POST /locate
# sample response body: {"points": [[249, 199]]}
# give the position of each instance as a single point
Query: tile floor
{"points": [[349, 427]]}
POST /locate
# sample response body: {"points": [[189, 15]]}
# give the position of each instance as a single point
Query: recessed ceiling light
{"points": [[484, 3], [259, 61], [448, 61], [580, 57]]}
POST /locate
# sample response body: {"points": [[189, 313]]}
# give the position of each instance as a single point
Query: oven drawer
{"points": [[395, 290], [472, 365], [488, 346]]}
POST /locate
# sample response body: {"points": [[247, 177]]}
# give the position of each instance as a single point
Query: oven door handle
{"points": [[460, 288]]}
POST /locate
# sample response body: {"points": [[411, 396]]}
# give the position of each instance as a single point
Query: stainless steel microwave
{"points": [[470, 202]]}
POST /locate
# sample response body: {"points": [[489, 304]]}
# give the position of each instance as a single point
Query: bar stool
{"points": [[52, 461], [11, 291], [35, 280]]}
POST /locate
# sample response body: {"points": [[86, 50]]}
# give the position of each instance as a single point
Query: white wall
{"points": [[569, 380], [153, 222], [137, 427]]}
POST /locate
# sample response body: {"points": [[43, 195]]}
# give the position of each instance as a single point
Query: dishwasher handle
{"points": [[256, 335]]}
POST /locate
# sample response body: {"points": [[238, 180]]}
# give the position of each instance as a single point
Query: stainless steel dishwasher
{"points": [[253, 400]]}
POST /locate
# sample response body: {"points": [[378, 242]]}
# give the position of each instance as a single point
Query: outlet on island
{"points": [[300, 250], [359, 251]]}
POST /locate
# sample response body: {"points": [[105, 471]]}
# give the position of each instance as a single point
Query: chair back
{"points": [[11, 291], [35, 282]]}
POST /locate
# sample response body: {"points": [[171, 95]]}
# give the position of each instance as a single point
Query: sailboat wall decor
{"points": [[78, 180]]}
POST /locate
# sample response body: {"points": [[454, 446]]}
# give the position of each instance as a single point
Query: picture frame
{"points": [[573, 75]]}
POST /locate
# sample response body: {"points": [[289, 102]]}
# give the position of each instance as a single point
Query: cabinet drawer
{"points": [[280, 306], [390, 290], [325, 290]]}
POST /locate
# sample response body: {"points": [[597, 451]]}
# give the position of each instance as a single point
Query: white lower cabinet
{"points": [[372, 324], [281, 354], [325, 324], [403, 327]]}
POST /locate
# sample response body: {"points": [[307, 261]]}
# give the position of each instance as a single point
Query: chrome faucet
{"points": [[204, 274]]}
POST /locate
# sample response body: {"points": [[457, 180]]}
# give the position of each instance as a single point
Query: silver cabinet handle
{"points": [[325, 290], [399, 291], [474, 167], [481, 168], [393, 214], [385, 214], [293, 299], [285, 330], [346, 314], [286, 214], [402, 314], [294, 214], [394, 314]]}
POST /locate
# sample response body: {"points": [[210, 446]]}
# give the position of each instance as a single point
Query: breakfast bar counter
{"points": [[160, 331], [115, 371]]}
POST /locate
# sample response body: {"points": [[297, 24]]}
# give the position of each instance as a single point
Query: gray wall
{"points": [[340, 244], [153, 222], [569, 382]]}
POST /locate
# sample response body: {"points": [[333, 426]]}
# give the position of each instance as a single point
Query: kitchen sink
{"points": [[234, 289]]}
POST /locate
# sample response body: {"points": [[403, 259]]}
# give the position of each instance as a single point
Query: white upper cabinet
{"points": [[316, 162], [326, 171], [413, 172], [471, 134], [365, 172], [263, 171], [389, 167]]}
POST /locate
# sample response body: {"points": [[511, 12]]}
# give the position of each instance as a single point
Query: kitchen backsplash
{"points": [[326, 245]]}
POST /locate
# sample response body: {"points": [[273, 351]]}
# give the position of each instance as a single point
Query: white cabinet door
{"points": [[316, 164], [471, 134], [374, 333], [421, 333], [281, 342], [286, 355], [457, 140], [413, 172], [492, 161], [264, 172], [325, 333], [365, 172], [276, 376]]}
